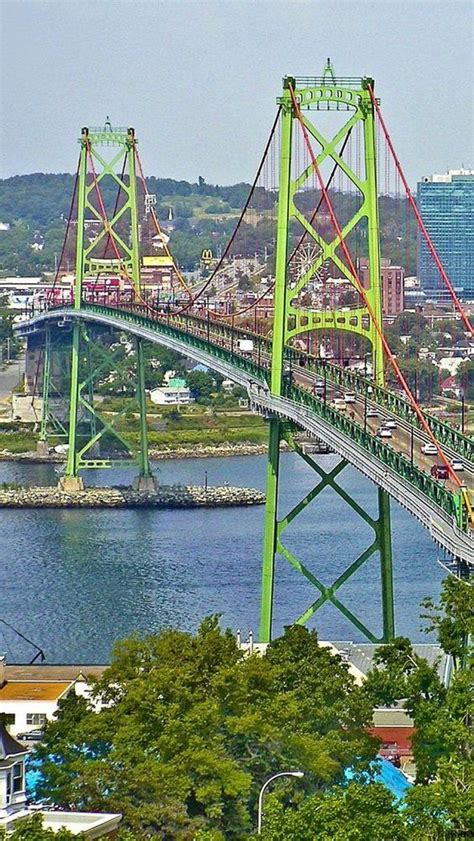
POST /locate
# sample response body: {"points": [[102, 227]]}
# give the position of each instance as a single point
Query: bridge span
{"points": [[437, 505]]}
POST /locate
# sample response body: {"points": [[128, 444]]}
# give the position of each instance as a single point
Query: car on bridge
{"points": [[372, 413], [429, 449], [350, 397], [457, 465], [439, 471], [383, 432], [390, 424]]}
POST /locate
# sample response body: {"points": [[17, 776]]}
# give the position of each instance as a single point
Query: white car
{"points": [[390, 424], [372, 413], [383, 432], [429, 449], [457, 465], [350, 397]]}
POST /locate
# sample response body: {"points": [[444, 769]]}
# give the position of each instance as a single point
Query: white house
{"points": [[170, 395], [28, 702]]}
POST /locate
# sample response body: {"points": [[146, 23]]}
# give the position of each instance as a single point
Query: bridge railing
{"points": [[430, 487], [461, 444]]}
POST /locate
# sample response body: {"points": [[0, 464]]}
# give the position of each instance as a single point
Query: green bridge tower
{"points": [[312, 95], [106, 242]]}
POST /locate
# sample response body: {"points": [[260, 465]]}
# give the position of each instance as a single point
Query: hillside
{"points": [[204, 216]]}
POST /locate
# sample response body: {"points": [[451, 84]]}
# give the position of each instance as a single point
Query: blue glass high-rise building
{"points": [[446, 203]]}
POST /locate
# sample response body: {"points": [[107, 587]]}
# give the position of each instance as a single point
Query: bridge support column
{"points": [[145, 480], [70, 477], [386, 571], [270, 532], [42, 444]]}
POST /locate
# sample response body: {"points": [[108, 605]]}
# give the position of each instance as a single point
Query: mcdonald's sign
{"points": [[206, 257]]}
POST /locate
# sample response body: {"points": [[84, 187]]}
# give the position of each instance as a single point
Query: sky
{"points": [[198, 79]]}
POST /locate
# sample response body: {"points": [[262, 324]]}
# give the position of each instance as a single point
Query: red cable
{"points": [[362, 292], [419, 219]]}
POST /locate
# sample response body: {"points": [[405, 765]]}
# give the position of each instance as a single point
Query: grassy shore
{"points": [[168, 430]]}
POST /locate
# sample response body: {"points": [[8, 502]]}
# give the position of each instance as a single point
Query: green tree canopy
{"points": [[189, 729]]}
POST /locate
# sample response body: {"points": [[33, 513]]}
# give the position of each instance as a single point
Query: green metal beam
{"points": [[144, 462], [274, 438]]}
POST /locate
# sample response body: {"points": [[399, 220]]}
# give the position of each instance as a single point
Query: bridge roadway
{"points": [[386, 462]]}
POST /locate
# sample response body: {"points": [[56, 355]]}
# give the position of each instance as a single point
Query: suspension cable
{"points": [[158, 229], [56, 277], [419, 218], [300, 241]]}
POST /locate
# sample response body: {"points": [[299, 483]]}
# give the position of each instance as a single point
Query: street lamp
{"points": [[262, 791]]}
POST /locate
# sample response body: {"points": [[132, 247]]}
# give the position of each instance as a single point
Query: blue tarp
{"points": [[386, 773]]}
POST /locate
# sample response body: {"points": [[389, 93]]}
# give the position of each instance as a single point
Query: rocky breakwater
{"points": [[165, 496]]}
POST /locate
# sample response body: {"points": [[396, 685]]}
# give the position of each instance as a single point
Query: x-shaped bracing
{"points": [[328, 593]]}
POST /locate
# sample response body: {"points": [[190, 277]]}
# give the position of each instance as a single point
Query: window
{"points": [[17, 777], [36, 718]]}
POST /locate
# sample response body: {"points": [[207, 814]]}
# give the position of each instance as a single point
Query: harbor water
{"points": [[74, 581]]}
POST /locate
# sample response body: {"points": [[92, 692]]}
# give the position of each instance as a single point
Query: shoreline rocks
{"points": [[165, 496], [196, 451]]}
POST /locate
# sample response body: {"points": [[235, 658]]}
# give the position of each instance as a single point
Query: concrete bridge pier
{"points": [[148, 484], [42, 447], [71, 483]]}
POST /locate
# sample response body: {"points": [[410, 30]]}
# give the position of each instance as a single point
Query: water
{"points": [[74, 581]]}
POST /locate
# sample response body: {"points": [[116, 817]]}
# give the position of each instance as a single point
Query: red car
{"points": [[440, 471]]}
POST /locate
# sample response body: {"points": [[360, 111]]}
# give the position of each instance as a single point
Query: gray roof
{"points": [[361, 654], [8, 745]]}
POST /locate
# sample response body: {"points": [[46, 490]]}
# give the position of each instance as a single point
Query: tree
{"points": [[466, 379], [189, 729], [201, 384], [358, 812], [453, 619]]}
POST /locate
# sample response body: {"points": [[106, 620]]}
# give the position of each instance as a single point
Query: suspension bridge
{"points": [[295, 369]]}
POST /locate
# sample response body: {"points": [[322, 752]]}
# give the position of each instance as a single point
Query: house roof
{"points": [[23, 690], [8, 745], [43, 671], [360, 655], [449, 382]]}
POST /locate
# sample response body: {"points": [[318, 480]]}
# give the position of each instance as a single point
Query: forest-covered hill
{"points": [[36, 207]]}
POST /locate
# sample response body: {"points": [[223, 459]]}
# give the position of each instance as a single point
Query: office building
{"points": [[446, 203]]}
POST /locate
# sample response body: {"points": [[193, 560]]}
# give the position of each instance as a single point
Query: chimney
{"points": [[3, 663]]}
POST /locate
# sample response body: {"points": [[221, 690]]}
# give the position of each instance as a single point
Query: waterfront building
{"points": [[29, 696], [446, 203], [175, 393]]}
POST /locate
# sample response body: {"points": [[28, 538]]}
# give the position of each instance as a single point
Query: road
{"points": [[405, 439], [10, 376]]}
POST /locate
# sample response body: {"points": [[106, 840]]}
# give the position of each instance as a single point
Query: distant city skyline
{"points": [[198, 78]]}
